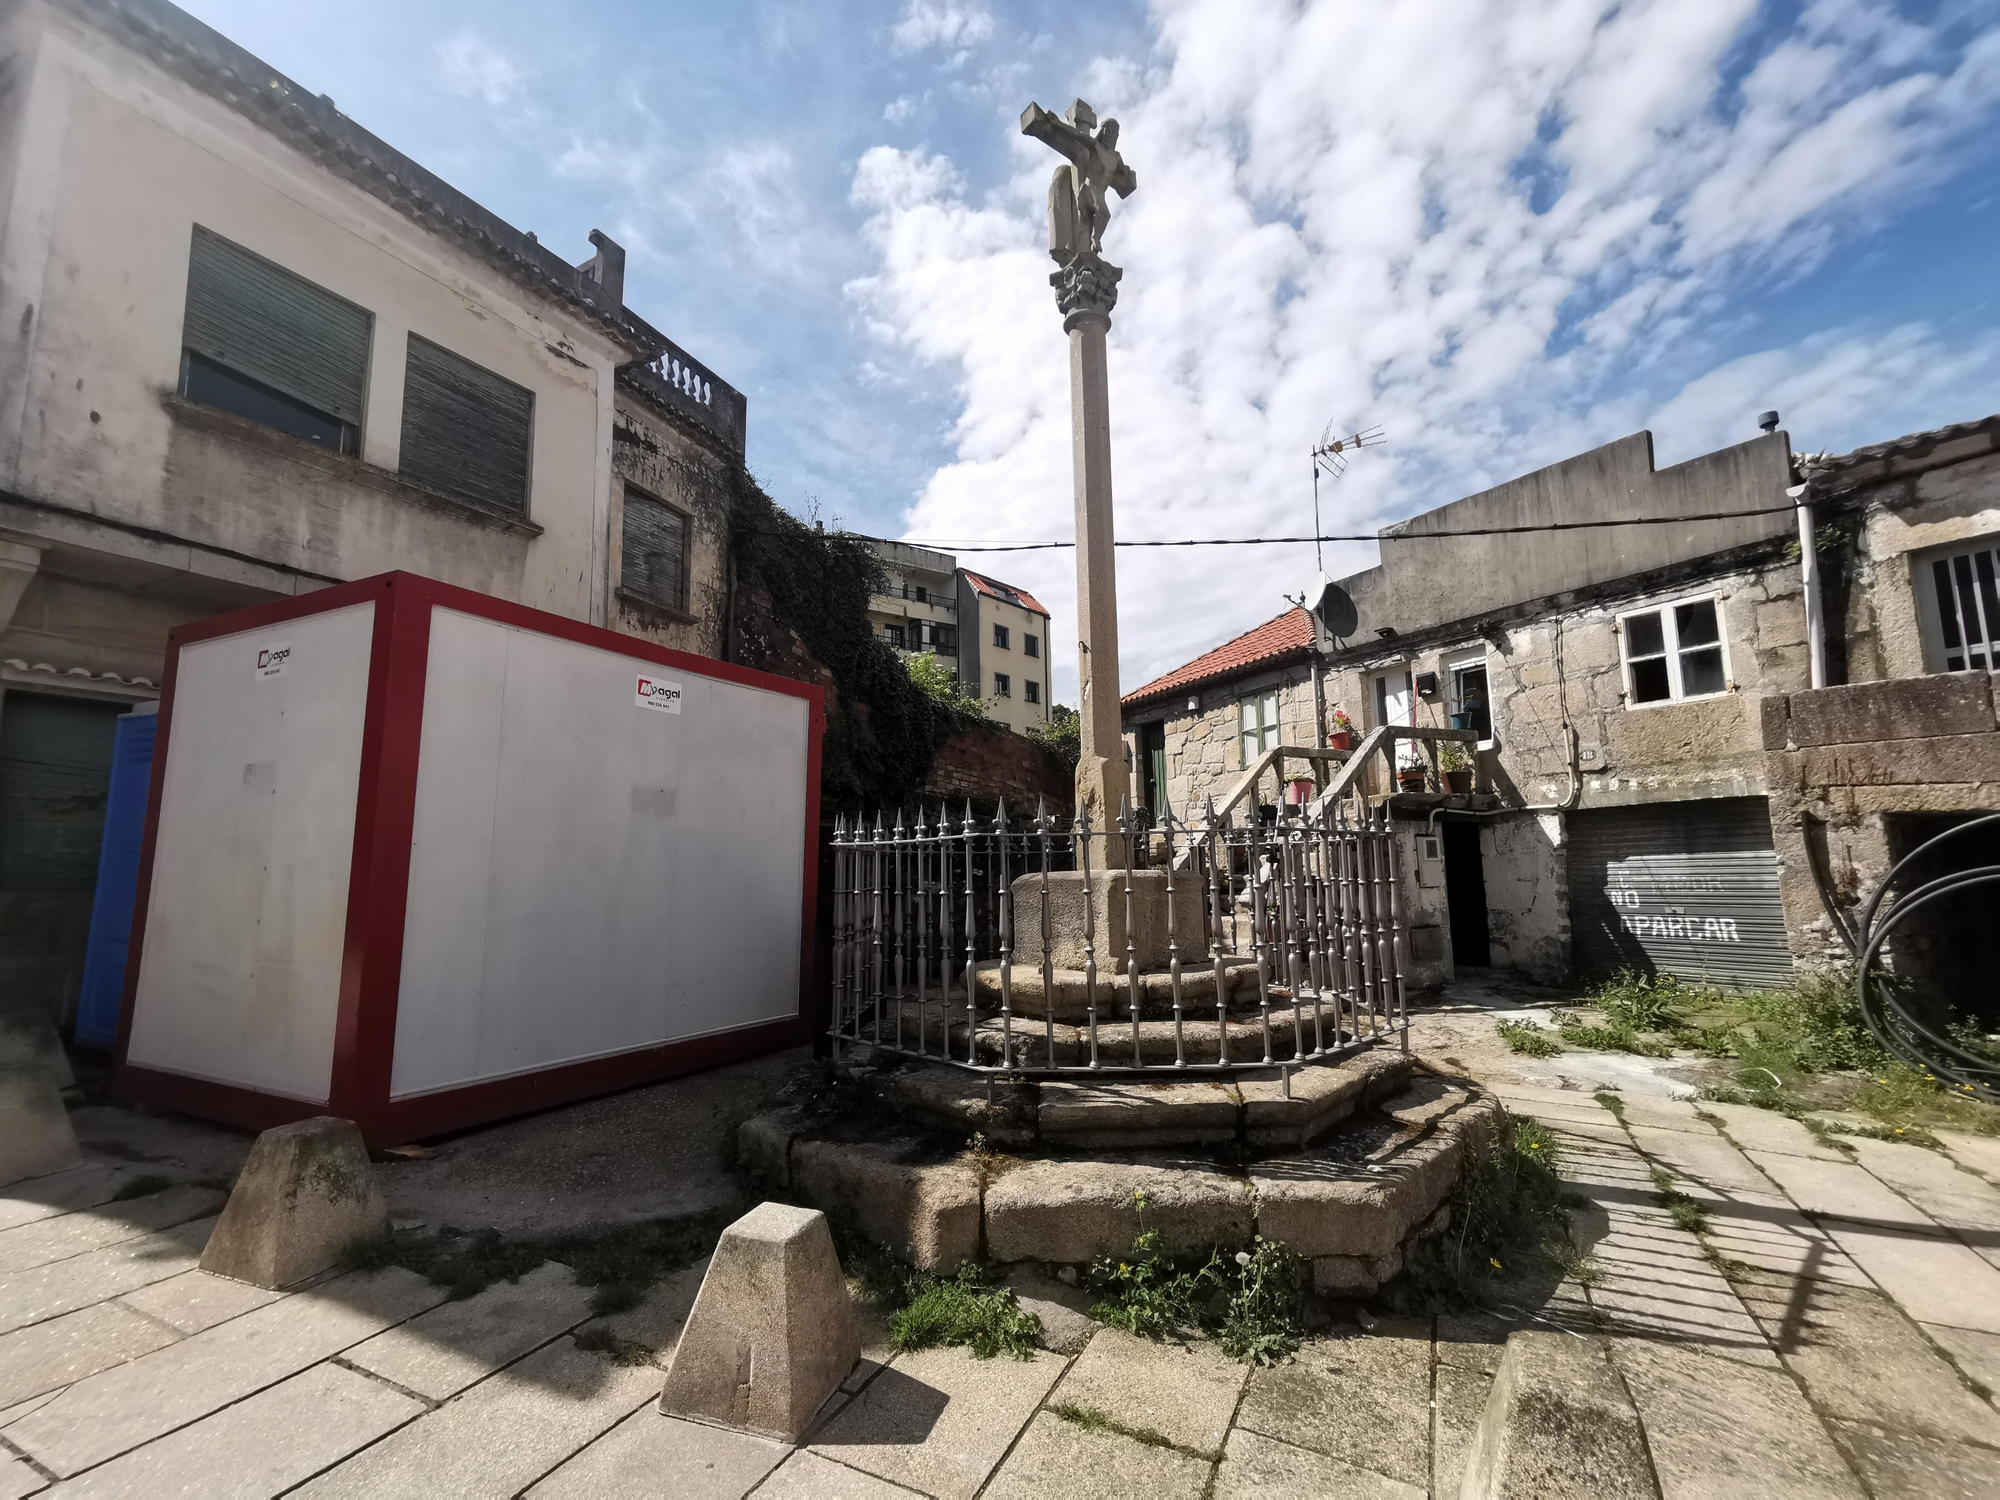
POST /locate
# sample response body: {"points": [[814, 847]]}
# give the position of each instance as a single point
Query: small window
{"points": [[466, 430], [1031, 645], [895, 636], [1032, 691], [264, 344], [1000, 636], [1962, 609], [654, 565], [1257, 723], [923, 594], [1470, 709], [1674, 653], [941, 640], [1002, 686]]}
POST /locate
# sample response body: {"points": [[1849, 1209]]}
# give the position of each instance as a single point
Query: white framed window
{"points": [[1003, 685], [1958, 602], [1032, 690], [1466, 693], [1257, 724], [1000, 636], [1674, 652]]}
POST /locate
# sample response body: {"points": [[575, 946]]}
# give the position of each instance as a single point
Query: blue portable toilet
{"points": [[117, 879]]}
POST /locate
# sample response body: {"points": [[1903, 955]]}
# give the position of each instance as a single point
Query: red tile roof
{"points": [[1286, 638], [1005, 591]]}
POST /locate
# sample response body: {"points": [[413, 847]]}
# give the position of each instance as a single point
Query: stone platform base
{"points": [[1352, 1204], [1068, 997], [1040, 1043]]}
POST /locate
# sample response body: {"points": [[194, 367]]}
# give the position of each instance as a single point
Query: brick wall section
{"points": [[985, 763]]}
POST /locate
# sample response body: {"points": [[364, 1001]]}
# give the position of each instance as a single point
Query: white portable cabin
{"points": [[421, 858]]}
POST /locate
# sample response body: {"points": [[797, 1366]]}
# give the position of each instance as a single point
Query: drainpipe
{"points": [[1801, 494]]}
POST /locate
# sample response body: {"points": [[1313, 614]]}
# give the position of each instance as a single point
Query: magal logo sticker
{"points": [[657, 692], [275, 659]]}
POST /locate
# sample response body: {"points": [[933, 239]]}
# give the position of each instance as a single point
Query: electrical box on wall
{"points": [[1427, 684], [1430, 860], [421, 858]]}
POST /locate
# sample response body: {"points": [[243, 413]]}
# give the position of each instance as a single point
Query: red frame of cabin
{"points": [[378, 885]]}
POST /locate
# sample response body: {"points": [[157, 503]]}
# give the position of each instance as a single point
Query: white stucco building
{"points": [[247, 350]]}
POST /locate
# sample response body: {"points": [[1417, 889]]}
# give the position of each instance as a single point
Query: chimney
{"points": [[1768, 421], [607, 267]]}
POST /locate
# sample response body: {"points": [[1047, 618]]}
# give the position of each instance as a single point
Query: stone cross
{"points": [[1086, 290]]}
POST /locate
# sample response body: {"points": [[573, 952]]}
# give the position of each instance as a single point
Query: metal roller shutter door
{"points": [[1682, 888]]}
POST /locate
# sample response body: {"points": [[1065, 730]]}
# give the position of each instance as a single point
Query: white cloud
{"points": [[929, 23], [477, 70], [898, 110], [1337, 219]]}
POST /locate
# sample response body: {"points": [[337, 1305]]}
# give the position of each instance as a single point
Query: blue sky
{"points": [[1505, 231]]}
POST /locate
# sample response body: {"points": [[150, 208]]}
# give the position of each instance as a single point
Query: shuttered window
{"points": [[271, 346], [466, 431], [655, 551]]}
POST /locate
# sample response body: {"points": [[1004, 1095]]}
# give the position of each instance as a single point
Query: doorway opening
{"points": [[1465, 894]]}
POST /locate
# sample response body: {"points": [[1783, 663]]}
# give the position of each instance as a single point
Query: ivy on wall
{"points": [[883, 729]]}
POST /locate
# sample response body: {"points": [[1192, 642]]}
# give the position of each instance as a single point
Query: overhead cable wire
{"points": [[1356, 536]]}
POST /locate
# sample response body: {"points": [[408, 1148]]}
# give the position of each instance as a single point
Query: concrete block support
{"points": [[305, 1195], [771, 1335], [35, 1134]]}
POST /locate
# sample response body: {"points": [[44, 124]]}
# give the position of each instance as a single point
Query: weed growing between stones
{"points": [[965, 1311], [1090, 1419], [1616, 1037], [621, 1263], [1684, 1211], [1528, 1040], [1506, 1217], [1611, 1102], [1252, 1300], [618, 1350]]}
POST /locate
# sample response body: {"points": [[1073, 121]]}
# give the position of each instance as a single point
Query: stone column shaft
{"points": [[1102, 779]]}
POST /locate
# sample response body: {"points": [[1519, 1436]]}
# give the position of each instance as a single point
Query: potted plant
{"points": [[1457, 767], [1411, 778], [1342, 737]]}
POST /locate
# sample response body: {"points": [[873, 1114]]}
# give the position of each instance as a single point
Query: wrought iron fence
{"points": [[1282, 942]]}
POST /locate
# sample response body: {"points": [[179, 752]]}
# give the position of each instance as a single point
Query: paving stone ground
{"points": [[1833, 1331]]}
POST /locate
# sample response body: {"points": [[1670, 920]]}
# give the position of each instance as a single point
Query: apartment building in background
{"points": [[1005, 649], [247, 350], [994, 636]]}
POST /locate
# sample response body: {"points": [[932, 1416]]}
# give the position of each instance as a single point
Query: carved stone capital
{"points": [[1086, 288]]}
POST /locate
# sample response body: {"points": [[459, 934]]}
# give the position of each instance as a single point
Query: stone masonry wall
{"points": [[1852, 756], [1205, 748], [654, 453], [1527, 894]]}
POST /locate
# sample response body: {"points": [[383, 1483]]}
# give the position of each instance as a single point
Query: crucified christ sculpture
{"points": [[1078, 206]]}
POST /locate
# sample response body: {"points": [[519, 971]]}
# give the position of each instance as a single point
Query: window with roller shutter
{"points": [[466, 431], [654, 566], [262, 343]]}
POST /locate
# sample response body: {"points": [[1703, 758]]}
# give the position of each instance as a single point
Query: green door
{"points": [[55, 774]]}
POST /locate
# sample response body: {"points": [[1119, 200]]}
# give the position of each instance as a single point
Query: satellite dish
{"points": [[1329, 603]]}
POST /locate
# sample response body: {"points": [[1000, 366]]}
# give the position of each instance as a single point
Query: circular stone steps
{"points": [[1352, 1202]]}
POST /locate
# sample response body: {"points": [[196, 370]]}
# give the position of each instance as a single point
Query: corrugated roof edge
{"points": [[310, 123]]}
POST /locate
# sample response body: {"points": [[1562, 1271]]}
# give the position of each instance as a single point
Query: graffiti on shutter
{"points": [[466, 430], [1682, 888]]}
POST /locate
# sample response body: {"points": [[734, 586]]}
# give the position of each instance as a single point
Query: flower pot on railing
{"points": [[1341, 739], [1461, 721], [1459, 783], [1411, 780]]}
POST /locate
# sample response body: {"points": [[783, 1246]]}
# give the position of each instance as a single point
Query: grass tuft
{"points": [[965, 1311], [620, 1351], [1611, 1102], [1528, 1040], [1090, 1419], [1507, 1215]]}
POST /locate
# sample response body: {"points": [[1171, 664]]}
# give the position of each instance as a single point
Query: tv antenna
{"points": [[1329, 456]]}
